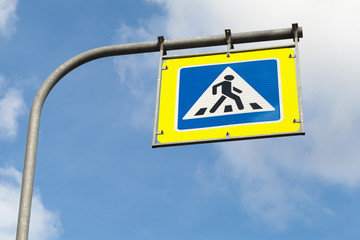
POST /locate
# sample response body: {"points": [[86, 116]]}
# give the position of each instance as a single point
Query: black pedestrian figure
{"points": [[227, 91]]}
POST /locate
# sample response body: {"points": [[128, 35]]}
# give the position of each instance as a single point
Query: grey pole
{"points": [[115, 50]]}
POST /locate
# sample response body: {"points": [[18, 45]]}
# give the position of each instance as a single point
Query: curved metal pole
{"points": [[115, 50], [34, 121]]}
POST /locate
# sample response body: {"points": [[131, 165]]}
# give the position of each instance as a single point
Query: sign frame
{"points": [[228, 135]]}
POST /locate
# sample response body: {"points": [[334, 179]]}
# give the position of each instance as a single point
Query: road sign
{"points": [[218, 97]]}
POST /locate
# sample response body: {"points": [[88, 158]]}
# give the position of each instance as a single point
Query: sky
{"points": [[97, 176]]}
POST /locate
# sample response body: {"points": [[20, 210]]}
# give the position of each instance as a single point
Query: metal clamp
{"points": [[229, 43], [295, 32], [161, 40]]}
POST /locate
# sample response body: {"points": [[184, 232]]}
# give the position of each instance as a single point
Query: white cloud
{"points": [[11, 107], [44, 225], [133, 71], [330, 78], [267, 192], [7, 17]]}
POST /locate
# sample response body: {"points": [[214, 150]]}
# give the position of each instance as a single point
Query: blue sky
{"points": [[97, 176]]}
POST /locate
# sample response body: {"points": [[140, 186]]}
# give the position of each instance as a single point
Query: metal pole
{"points": [[297, 59], [115, 50], [162, 53]]}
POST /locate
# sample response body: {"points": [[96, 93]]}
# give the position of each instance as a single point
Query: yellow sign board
{"points": [[218, 97]]}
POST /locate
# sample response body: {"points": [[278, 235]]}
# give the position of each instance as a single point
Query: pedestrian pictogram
{"points": [[228, 94]]}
